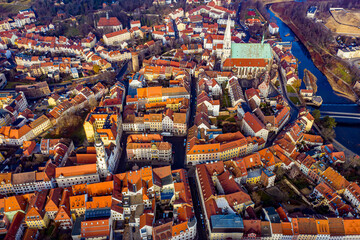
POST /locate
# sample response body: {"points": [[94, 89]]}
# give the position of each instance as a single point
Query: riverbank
{"points": [[339, 87]]}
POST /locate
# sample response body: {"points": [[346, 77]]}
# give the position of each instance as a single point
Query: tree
{"points": [[328, 133], [316, 114], [256, 198], [329, 122]]}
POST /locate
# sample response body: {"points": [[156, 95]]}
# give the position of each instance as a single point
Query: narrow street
{"points": [[201, 230], [294, 109]]}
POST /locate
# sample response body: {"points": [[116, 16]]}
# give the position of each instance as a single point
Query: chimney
{"points": [[107, 15]]}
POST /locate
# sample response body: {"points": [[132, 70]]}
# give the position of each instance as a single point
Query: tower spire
{"points": [[227, 41]]}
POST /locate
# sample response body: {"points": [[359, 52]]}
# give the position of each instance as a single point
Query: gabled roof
{"points": [[54, 199], [14, 227], [254, 123], [146, 220], [108, 22]]}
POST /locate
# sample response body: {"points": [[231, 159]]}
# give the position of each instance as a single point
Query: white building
{"points": [[252, 126], [101, 157], [352, 194], [159, 151], [273, 28], [345, 53], [116, 38], [74, 175], [311, 12], [167, 121], [135, 24]]}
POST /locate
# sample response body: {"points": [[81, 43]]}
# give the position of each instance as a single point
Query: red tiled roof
{"points": [[108, 22]]}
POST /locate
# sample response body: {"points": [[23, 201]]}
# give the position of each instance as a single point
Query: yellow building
{"points": [[36, 216], [1, 157], [202, 153], [40, 125], [174, 103], [89, 131], [105, 125], [5, 181], [254, 176], [53, 100], [232, 149], [153, 122]]}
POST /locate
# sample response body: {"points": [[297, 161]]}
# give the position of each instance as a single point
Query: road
{"points": [[175, 29], [201, 230], [294, 109], [244, 28]]}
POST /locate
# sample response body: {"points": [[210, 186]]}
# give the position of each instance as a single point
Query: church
{"points": [[245, 60]]}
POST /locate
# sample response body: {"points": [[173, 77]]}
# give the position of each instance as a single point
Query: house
{"points": [[96, 229], [134, 24], [109, 23], [235, 92], [252, 126], [68, 176], [16, 228], [115, 38], [74, 73], [352, 194], [147, 148], [40, 125], [311, 12], [273, 28], [335, 180], [36, 216], [267, 178]]}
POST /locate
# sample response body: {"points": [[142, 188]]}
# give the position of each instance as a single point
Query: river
{"points": [[347, 130]]}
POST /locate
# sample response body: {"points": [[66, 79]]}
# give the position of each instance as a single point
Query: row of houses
{"points": [[94, 209]]}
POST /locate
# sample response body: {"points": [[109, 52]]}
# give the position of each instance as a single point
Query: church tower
{"points": [[227, 42], [101, 157]]}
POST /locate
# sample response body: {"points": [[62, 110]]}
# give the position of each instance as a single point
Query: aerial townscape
{"points": [[180, 119]]}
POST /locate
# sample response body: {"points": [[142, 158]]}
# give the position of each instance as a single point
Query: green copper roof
{"points": [[251, 50]]}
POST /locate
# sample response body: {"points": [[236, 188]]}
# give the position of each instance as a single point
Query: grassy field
{"points": [[295, 100], [225, 101], [14, 7], [12, 85], [290, 89], [340, 71]]}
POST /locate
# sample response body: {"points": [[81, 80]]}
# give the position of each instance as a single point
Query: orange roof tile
{"points": [[75, 170]]}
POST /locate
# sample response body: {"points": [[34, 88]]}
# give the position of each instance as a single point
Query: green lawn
{"points": [[232, 119], [341, 72], [11, 8], [222, 117], [295, 100], [72, 32], [225, 101], [290, 89], [12, 85]]}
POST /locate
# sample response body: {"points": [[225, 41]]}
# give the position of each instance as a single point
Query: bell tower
{"points": [[101, 156]]}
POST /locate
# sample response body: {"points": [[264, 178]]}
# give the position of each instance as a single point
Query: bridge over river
{"points": [[344, 115]]}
